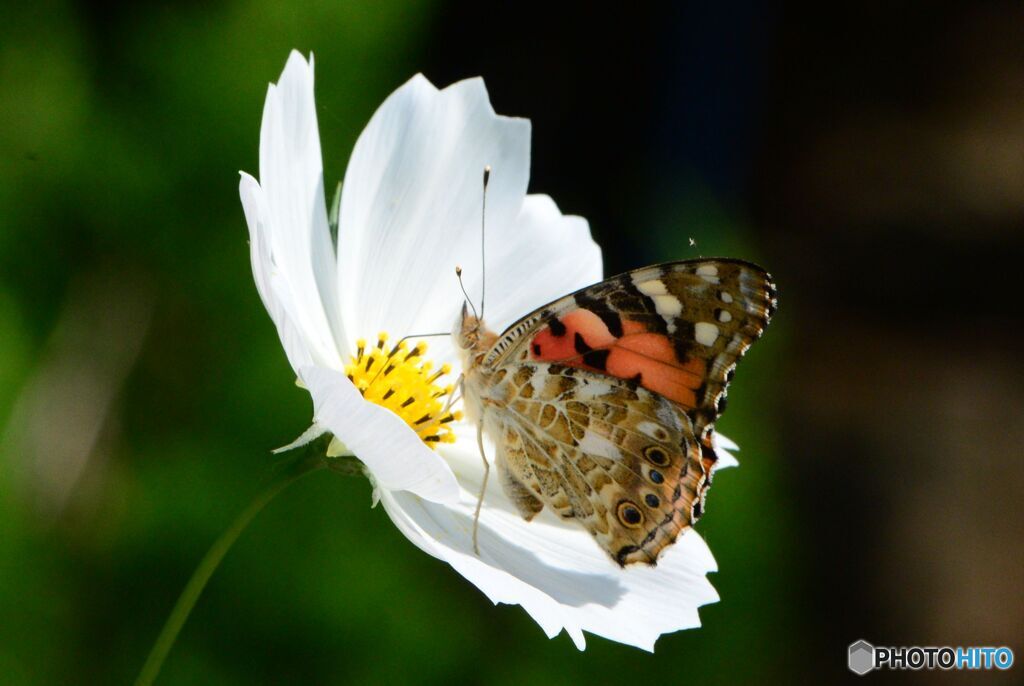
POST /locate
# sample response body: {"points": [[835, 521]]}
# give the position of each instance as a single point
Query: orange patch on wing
{"points": [[638, 352], [594, 331], [549, 346], [669, 378]]}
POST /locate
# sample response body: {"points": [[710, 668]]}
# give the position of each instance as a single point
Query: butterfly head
{"points": [[473, 338], [467, 328]]}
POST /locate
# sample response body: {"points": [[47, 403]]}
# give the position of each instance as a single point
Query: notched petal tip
{"points": [[297, 66], [578, 639], [724, 447], [308, 436], [248, 186], [419, 79], [475, 89], [471, 89], [725, 442], [251, 195]]}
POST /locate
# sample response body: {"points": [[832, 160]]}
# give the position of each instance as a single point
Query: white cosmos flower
{"points": [[410, 211]]}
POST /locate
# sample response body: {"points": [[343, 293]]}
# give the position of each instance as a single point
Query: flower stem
{"points": [[289, 474]]}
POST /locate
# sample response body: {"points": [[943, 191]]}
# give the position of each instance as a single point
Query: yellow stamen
{"points": [[403, 382]]}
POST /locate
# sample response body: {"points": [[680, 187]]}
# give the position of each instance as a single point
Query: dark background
{"points": [[870, 155]]}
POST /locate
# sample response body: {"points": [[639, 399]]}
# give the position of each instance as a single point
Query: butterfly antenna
{"points": [[483, 237], [458, 275]]}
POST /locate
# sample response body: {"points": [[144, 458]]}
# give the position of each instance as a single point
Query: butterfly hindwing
{"points": [[610, 454]]}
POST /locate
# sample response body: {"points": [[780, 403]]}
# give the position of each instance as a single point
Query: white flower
{"points": [[410, 211]]}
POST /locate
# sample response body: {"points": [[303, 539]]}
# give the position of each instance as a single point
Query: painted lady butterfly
{"points": [[602, 404]]}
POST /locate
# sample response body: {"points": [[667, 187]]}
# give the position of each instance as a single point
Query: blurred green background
{"points": [[872, 157]]}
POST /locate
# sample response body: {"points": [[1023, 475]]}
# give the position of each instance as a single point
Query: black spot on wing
{"points": [[556, 326], [624, 552], [598, 359], [682, 341], [580, 344], [682, 347], [654, 323], [599, 307], [703, 416]]}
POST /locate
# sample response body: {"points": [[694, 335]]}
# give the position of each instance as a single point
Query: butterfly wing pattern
{"points": [[602, 404]]}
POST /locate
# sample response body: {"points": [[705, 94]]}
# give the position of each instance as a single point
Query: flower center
{"points": [[402, 381]]}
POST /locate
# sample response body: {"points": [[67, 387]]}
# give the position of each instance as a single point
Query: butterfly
{"points": [[602, 404]]}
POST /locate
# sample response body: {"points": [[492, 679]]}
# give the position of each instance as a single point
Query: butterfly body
{"points": [[602, 403]]}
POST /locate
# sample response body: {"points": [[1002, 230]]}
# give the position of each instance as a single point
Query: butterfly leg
{"points": [[483, 485], [455, 397]]}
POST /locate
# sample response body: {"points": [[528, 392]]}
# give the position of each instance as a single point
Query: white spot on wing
{"points": [[726, 297], [652, 288], [708, 272], [585, 392], [668, 305], [649, 428], [705, 333], [596, 444], [725, 316]]}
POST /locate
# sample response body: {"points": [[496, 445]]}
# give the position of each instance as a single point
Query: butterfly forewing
{"points": [[677, 329]]}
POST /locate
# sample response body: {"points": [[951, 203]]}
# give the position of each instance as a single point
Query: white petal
{"points": [[314, 432], [411, 205], [722, 447], [722, 441], [433, 528], [549, 255], [556, 570], [291, 176], [394, 454], [273, 287]]}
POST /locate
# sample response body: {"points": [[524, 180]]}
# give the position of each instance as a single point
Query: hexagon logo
{"points": [[861, 657]]}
